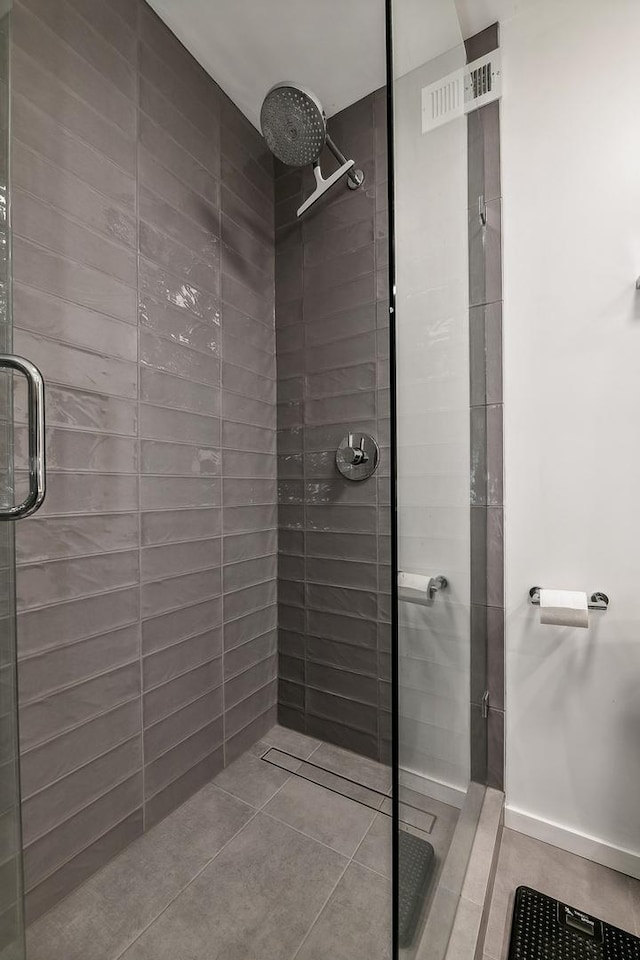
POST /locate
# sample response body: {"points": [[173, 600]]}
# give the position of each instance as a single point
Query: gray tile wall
{"points": [[144, 289], [332, 335], [487, 467]]}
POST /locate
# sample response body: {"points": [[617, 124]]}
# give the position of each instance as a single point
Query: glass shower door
{"points": [[12, 943], [440, 742], [11, 901]]}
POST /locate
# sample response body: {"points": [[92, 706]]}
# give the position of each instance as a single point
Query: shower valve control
{"points": [[358, 456]]}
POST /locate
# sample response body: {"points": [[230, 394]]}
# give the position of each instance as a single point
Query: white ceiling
{"points": [[334, 47]]}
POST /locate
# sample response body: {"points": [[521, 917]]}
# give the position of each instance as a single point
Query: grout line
{"points": [[170, 134], [41, 245], [73, 812], [308, 836], [72, 90], [209, 753], [313, 752], [103, 37], [178, 73], [112, 198], [227, 793], [86, 763], [109, 238], [183, 706], [99, 39], [103, 713], [50, 693]]}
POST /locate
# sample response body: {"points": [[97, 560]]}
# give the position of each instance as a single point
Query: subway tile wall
{"points": [[333, 356], [143, 212], [486, 431]]}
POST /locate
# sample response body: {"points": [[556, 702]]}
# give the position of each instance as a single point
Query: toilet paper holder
{"points": [[435, 586], [597, 601]]}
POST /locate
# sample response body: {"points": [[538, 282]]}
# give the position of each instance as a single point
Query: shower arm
{"points": [[355, 178]]}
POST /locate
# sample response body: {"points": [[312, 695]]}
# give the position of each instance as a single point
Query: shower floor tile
{"points": [[262, 864], [355, 924], [334, 820], [375, 850], [252, 780], [366, 772], [257, 899], [103, 916]]}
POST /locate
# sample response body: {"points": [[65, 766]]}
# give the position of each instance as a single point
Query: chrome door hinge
{"points": [[485, 705]]}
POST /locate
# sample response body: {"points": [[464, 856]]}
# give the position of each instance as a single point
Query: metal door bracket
{"points": [[485, 705]]}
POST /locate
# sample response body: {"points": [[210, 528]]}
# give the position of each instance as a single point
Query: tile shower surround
{"points": [[143, 213], [144, 285], [333, 356], [487, 461]]}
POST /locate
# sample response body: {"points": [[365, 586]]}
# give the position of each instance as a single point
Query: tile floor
{"points": [[268, 862], [603, 893]]}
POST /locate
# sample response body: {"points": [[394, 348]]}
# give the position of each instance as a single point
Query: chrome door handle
{"points": [[37, 461]]}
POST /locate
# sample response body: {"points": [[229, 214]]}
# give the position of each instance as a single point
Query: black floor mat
{"points": [[545, 929], [417, 860]]}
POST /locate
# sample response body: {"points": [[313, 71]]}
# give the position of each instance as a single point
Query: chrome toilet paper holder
{"points": [[597, 601], [436, 585]]}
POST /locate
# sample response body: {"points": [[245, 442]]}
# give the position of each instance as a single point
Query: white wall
{"points": [[433, 432], [571, 185]]}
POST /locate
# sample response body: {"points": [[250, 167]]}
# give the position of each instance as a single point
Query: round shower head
{"points": [[293, 124]]}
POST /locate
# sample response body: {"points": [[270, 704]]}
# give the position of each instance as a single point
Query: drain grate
{"points": [[545, 929], [416, 867]]}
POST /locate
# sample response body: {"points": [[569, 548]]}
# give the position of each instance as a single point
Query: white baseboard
{"points": [[583, 845], [445, 792]]}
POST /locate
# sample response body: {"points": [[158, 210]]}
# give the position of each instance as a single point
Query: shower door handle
{"points": [[36, 430]]}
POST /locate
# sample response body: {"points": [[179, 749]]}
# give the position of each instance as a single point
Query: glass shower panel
{"points": [[12, 945], [438, 801]]}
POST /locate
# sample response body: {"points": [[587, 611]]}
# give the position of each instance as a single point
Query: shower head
{"points": [[293, 124], [295, 129]]}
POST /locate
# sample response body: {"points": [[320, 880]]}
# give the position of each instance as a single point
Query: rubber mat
{"points": [[417, 860], [546, 929]]}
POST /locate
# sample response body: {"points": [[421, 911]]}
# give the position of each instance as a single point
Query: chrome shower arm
{"points": [[355, 177]]}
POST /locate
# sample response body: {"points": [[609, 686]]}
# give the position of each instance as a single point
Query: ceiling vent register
{"points": [[460, 92]]}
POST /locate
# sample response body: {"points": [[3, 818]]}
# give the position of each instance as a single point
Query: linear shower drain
{"points": [[545, 929]]}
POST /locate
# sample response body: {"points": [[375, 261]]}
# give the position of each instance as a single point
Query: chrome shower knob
{"points": [[358, 456], [354, 454]]}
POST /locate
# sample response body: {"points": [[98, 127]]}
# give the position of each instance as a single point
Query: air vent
{"points": [[467, 89]]}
